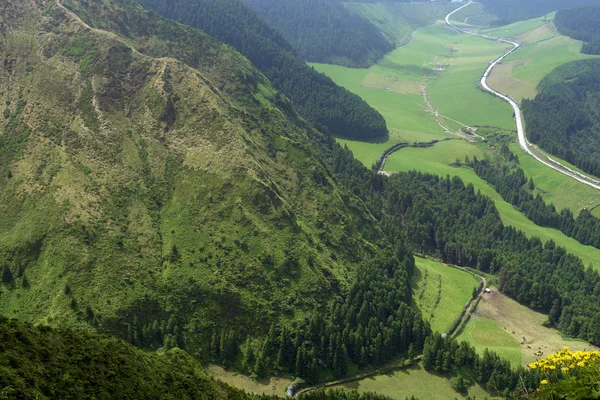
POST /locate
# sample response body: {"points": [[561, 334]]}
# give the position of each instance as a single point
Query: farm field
{"points": [[440, 292], [437, 160], [414, 381], [501, 323]]}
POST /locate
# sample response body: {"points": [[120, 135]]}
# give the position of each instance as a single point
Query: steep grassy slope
{"points": [[154, 185], [43, 363]]}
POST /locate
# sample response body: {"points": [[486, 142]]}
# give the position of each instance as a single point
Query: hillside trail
{"points": [[523, 142]]}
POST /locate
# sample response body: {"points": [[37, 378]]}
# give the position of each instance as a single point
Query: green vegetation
{"points": [[484, 334], [539, 59], [440, 292], [438, 160], [44, 363], [504, 173], [413, 381], [404, 108], [324, 31], [503, 317], [181, 199], [474, 15], [329, 107], [562, 118], [399, 20], [275, 386], [508, 11], [581, 23]]}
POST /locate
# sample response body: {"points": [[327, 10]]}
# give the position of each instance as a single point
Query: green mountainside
{"points": [[331, 108], [153, 184], [581, 23], [324, 31], [564, 119]]}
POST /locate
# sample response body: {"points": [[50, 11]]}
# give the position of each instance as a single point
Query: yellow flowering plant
{"points": [[569, 375]]}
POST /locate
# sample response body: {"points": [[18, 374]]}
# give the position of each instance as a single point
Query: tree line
{"points": [[581, 23], [563, 118], [509, 180], [330, 108]]}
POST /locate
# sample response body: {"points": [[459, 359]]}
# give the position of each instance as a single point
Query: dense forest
{"points": [[509, 180], [509, 11], [45, 363], [324, 31], [581, 23], [317, 98], [564, 117]]}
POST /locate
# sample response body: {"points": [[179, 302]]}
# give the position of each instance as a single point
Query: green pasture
{"points": [[485, 333], [455, 91], [437, 160], [539, 59], [440, 292], [513, 330], [415, 381], [450, 63]]}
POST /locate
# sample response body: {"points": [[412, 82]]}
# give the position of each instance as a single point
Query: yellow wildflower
{"points": [[544, 382]]}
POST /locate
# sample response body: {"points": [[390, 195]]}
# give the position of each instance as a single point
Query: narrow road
{"points": [[523, 142]]}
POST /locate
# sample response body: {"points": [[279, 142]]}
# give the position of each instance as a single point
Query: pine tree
{"points": [[7, 276]]}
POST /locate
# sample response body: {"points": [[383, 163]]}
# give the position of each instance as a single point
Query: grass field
{"points": [[437, 160], [485, 333], [271, 386], [539, 59], [454, 92], [501, 324], [413, 381], [440, 292]]}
